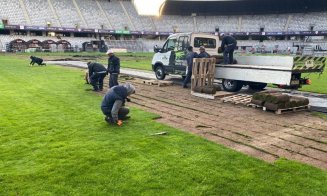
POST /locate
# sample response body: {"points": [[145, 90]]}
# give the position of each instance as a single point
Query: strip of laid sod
{"points": [[54, 141]]}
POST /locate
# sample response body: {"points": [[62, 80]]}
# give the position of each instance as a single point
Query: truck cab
{"points": [[170, 59]]}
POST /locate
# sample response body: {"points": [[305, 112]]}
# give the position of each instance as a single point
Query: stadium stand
{"points": [[67, 13], [40, 13], [116, 14], [12, 11], [93, 14], [122, 15]]}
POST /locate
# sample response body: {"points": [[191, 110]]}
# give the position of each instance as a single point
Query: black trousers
{"points": [[228, 54], [97, 80], [187, 78], [122, 113], [113, 80]]}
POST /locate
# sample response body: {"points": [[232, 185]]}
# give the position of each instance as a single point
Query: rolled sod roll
{"points": [[298, 101], [217, 87], [262, 95], [277, 98], [257, 102], [271, 106], [209, 90], [198, 89], [274, 106]]}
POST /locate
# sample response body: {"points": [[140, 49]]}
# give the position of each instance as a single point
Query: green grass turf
{"points": [[53, 141], [138, 60], [318, 83]]}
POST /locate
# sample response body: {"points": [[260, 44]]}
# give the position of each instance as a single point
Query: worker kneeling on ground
{"points": [[97, 73], [114, 101], [228, 45], [36, 60]]}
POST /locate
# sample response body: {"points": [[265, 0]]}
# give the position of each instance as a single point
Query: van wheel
{"points": [[232, 85], [257, 86], [160, 73]]}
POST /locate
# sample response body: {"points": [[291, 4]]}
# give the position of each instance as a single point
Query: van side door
{"points": [[167, 54], [183, 43]]}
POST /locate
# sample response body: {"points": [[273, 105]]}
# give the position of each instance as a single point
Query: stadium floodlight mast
{"points": [[149, 7]]}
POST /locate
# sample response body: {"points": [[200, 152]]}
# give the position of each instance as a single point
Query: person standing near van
{"points": [[203, 53], [189, 59], [113, 68], [228, 45]]}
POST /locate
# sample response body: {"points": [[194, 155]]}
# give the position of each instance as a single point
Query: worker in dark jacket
{"points": [[97, 73], [36, 60], [189, 59], [113, 103], [113, 68], [203, 53], [228, 45]]}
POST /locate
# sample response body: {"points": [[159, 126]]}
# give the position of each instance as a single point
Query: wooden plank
{"points": [[202, 95], [289, 110]]}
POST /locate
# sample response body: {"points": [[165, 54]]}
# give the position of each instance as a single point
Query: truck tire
{"points": [[232, 85], [160, 73], [257, 86]]}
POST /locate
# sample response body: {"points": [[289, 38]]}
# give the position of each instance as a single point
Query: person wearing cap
{"points": [[189, 59], [203, 53], [113, 103], [228, 45], [113, 68], [97, 73]]}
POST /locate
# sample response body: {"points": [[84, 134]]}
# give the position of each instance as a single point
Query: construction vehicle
{"points": [[254, 71]]}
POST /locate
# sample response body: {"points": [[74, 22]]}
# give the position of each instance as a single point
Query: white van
{"points": [[170, 59]]}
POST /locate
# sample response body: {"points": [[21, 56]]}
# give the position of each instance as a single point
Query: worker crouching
{"points": [[114, 101]]}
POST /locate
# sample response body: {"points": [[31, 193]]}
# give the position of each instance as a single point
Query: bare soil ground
{"points": [[295, 136]]}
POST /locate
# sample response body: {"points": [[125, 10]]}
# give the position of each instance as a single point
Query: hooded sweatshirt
{"points": [[115, 99]]}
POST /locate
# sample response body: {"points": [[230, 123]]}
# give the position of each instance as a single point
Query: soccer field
{"points": [[54, 141], [142, 61]]}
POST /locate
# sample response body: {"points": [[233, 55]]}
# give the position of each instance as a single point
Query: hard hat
{"points": [[110, 51]]}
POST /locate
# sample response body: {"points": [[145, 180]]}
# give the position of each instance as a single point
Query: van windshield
{"points": [[206, 42]]}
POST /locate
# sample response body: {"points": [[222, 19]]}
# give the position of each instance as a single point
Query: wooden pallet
{"points": [[252, 105], [242, 99], [157, 82], [203, 72], [218, 95], [288, 110]]}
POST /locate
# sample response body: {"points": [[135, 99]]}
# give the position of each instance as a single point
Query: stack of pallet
{"points": [[203, 75], [275, 100]]}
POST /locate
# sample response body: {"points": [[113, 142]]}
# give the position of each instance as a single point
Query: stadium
{"points": [[163, 97]]}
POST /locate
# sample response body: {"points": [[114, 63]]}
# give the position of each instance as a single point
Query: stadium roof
{"points": [[232, 7]]}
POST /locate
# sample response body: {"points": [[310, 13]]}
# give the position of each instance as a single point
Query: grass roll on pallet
{"points": [[275, 100]]}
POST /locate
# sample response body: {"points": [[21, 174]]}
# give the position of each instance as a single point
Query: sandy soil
{"points": [[265, 135]]}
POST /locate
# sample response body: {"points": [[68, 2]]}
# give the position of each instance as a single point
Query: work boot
{"points": [[108, 120], [126, 118]]}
